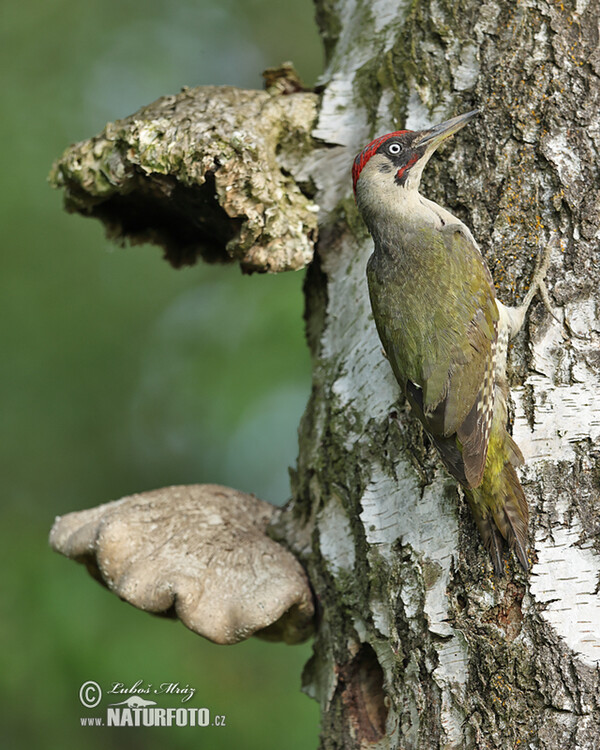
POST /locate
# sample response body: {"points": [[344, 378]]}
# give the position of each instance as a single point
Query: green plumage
{"points": [[445, 337], [435, 309]]}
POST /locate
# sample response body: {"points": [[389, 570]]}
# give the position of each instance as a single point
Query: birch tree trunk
{"points": [[418, 645]]}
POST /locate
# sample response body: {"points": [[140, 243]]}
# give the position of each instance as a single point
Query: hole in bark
{"points": [[361, 689], [508, 615]]}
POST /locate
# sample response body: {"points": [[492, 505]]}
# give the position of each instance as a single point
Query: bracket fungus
{"points": [[213, 171], [197, 552]]}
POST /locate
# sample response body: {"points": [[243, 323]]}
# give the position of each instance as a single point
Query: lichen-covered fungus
{"points": [[197, 552], [212, 172]]}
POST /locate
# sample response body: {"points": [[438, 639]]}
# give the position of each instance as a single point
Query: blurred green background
{"points": [[120, 374]]}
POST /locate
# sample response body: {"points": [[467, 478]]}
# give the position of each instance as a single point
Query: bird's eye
{"points": [[394, 148]]}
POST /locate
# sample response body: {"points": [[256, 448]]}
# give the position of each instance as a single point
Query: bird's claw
{"points": [[538, 285]]}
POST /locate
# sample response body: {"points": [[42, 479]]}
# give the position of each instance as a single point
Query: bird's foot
{"points": [[538, 285]]}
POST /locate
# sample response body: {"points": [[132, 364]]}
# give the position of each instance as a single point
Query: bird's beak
{"points": [[432, 138]]}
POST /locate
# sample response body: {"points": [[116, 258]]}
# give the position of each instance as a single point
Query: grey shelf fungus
{"points": [[197, 552]]}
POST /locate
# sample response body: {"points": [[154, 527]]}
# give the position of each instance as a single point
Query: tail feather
{"points": [[514, 515], [500, 510], [519, 545], [492, 540]]}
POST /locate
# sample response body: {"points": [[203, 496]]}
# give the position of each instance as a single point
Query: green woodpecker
{"points": [[444, 332]]}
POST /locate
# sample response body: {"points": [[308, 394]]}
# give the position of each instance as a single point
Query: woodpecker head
{"points": [[395, 161]]}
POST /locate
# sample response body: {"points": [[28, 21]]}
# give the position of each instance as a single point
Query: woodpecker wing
{"points": [[439, 330]]}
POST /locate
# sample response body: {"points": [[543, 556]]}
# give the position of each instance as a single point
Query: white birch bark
{"points": [[419, 646]]}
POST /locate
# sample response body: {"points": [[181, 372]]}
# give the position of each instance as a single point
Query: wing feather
{"points": [[441, 344]]}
